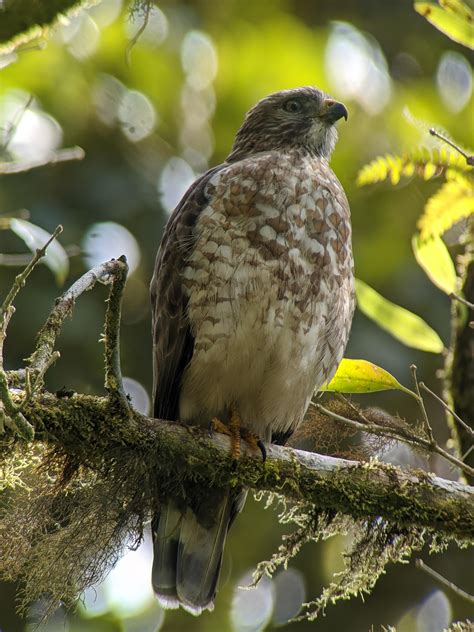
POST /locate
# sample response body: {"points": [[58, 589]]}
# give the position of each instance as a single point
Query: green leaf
{"points": [[454, 19], [362, 376], [433, 256], [35, 237], [402, 324]]}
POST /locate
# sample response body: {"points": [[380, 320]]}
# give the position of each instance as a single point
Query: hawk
{"points": [[252, 298]]}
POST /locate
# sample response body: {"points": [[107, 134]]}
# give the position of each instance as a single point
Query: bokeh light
{"points": [[289, 594], [176, 177], [138, 395], [109, 240], [357, 69], [30, 133], [454, 81], [199, 59], [81, 34], [137, 115], [433, 614], [154, 32], [251, 608]]}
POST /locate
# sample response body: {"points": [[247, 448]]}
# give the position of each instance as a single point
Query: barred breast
{"points": [[270, 291]]}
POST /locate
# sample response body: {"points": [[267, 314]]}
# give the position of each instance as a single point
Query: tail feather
{"points": [[188, 549], [166, 528]]}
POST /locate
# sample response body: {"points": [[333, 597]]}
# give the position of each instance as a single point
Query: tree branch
{"points": [[90, 434]]}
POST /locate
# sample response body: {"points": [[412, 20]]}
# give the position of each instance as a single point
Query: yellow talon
{"points": [[237, 432]]}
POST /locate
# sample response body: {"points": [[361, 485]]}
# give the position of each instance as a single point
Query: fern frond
{"points": [[420, 161], [451, 203]]}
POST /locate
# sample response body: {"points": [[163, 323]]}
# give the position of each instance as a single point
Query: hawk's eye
{"points": [[293, 105]]}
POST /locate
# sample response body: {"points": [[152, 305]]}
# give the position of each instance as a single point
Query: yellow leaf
{"points": [[453, 18], [430, 170], [402, 324], [362, 376], [420, 161], [433, 256], [451, 203]]}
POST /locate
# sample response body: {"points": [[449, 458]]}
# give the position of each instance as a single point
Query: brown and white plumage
{"points": [[252, 304]]}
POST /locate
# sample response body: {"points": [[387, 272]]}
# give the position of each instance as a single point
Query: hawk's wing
{"points": [[173, 342]]}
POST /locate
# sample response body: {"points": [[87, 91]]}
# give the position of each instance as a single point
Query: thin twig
{"points": [[467, 453], [462, 423], [443, 581], [469, 159], [9, 311], [421, 404], [21, 278], [53, 158], [11, 414], [105, 273], [462, 300], [113, 372], [138, 34], [399, 434], [15, 122]]}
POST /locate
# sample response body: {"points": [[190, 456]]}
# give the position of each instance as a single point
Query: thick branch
{"points": [[89, 432]]}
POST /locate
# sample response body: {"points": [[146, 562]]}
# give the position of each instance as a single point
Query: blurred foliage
{"points": [[148, 127]]}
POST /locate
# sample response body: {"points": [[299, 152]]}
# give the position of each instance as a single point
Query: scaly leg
{"points": [[237, 432]]}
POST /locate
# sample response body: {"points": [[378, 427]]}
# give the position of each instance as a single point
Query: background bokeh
{"points": [[151, 118]]}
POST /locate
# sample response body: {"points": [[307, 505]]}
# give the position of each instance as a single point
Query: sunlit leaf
{"points": [[433, 256], [35, 237], [420, 161], [451, 203], [362, 376], [454, 18], [397, 321]]}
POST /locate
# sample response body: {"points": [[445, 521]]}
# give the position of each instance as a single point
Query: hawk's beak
{"points": [[332, 111]]}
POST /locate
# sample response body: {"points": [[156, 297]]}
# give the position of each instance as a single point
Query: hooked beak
{"points": [[332, 111]]}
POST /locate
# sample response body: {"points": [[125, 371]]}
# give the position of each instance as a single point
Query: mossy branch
{"points": [[23, 20], [89, 432]]}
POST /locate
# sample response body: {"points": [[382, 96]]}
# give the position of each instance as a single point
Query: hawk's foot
{"points": [[254, 442], [237, 433]]}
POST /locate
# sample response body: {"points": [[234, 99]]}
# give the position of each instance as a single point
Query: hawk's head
{"points": [[300, 117]]}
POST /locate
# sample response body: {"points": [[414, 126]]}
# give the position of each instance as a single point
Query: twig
{"points": [[20, 279], [15, 122], [421, 404], [11, 414], [462, 423], [113, 372], [469, 159], [47, 335], [443, 581], [7, 314], [462, 300], [138, 34], [24, 258], [468, 452], [399, 434], [53, 158]]}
